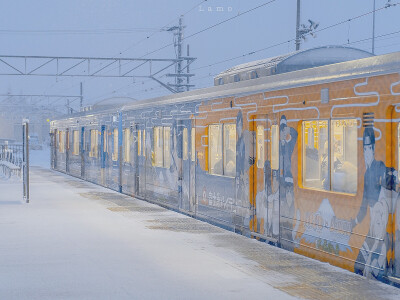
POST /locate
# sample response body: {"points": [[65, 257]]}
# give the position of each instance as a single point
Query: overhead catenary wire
{"points": [[140, 41], [288, 41]]}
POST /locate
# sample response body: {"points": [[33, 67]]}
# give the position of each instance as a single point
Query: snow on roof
{"points": [[298, 60]]}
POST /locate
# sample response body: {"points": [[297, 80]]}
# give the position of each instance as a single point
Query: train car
{"points": [[301, 151]]}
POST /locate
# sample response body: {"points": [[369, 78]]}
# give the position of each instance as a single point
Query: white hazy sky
{"points": [[34, 28]]}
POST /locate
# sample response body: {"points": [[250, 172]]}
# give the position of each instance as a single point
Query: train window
{"points": [[75, 137], [115, 145], [193, 144], [105, 145], [274, 147], [158, 147], [139, 142], [127, 146], [344, 155], [315, 155], [236, 78], [229, 149], [167, 147], [254, 75], [215, 149], [61, 141], [260, 140], [93, 143], [185, 143], [222, 149]]}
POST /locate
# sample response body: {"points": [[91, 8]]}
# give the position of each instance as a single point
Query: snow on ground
{"points": [[64, 246], [40, 158], [76, 240]]}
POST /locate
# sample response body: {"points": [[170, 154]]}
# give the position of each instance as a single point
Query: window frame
{"points": [[223, 150], [331, 153], [163, 147]]}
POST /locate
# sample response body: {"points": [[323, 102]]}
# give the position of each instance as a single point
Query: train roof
{"points": [[366, 67], [290, 62]]}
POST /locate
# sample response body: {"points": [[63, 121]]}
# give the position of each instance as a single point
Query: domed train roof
{"points": [[298, 60]]}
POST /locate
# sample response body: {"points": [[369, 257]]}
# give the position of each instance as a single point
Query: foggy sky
{"points": [[267, 26]]}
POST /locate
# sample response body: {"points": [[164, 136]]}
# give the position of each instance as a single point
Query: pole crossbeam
{"points": [[67, 66]]}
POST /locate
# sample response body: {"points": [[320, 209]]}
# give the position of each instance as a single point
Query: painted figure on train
{"points": [[378, 180], [288, 139], [243, 161]]}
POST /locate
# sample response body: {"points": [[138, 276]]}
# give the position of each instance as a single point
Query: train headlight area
{"points": [[305, 157]]}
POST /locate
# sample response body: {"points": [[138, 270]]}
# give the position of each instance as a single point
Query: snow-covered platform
{"points": [[76, 240]]}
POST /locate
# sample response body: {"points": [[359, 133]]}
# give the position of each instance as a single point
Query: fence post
{"points": [[25, 162]]}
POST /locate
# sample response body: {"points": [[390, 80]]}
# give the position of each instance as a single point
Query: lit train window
{"points": [[61, 141], [316, 155], [127, 146], [139, 142], [229, 149], [274, 147], [215, 149], [75, 137], [158, 146], [260, 150], [115, 145], [185, 143], [344, 155], [167, 147], [222, 149], [105, 145], [93, 143], [193, 144]]}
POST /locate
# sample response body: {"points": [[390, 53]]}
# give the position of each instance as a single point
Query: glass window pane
{"points": [[115, 145], [76, 142], [193, 144], [260, 153], [139, 142], [93, 143], [167, 148], [185, 143], [315, 155], [215, 149], [105, 146], [158, 147], [344, 156], [127, 148], [230, 150], [274, 147]]}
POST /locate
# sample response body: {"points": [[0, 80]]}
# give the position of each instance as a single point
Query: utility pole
{"points": [[179, 79], [180, 74], [81, 98], [298, 26]]}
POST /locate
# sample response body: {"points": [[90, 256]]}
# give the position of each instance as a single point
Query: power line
{"points": [[287, 41], [140, 41], [213, 26]]}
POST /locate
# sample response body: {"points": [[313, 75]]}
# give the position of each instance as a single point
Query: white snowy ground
{"points": [[64, 246], [69, 243]]}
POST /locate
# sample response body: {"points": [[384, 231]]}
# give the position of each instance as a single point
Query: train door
{"points": [[135, 156], [266, 177], [140, 162], [394, 214], [67, 148], [103, 154], [54, 149], [184, 184], [82, 152]]}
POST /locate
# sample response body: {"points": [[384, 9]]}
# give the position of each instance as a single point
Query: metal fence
{"points": [[11, 159]]}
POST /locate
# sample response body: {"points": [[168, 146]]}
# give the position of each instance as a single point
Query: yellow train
{"points": [[301, 151]]}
